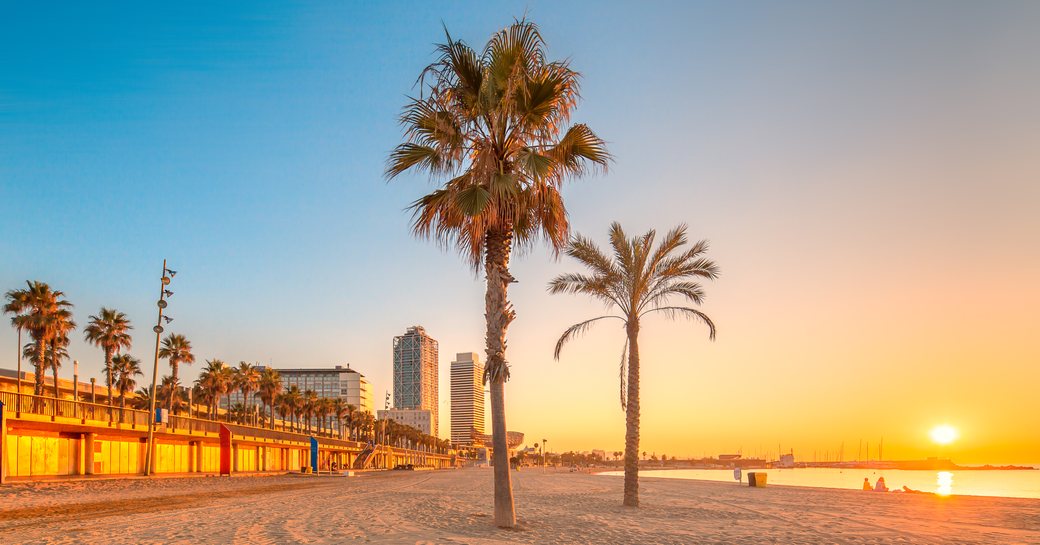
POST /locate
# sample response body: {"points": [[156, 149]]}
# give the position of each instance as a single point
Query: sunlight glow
{"points": [[944, 434], [944, 482]]}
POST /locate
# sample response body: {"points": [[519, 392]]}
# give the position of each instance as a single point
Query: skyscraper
{"points": [[467, 398], [415, 372]]}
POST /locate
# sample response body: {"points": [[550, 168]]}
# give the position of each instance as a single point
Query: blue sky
{"points": [[815, 144]]}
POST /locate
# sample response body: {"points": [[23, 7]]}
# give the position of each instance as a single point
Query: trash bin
{"points": [[757, 479]]}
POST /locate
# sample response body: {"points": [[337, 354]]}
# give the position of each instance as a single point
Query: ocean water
{"points": [[1010, 484]]}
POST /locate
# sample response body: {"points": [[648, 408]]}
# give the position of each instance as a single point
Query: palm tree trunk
{"points": [[54, 366], [108, 374], [41, 362], [173, 384], [632, 419], [498, 315]]}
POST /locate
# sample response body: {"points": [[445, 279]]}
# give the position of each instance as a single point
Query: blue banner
{"points": [[314, 455]]}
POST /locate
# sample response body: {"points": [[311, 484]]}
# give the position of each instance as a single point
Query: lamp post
{"points": [[158, 329], [75, 380], [93, 399]]}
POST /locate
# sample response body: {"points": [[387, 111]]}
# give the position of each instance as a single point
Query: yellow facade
{"points": [[29, 455]]}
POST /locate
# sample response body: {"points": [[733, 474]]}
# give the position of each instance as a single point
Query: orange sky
{"points": [[868, 177]]}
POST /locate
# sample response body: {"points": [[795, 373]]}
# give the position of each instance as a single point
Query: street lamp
{"points": [[158, 329]]}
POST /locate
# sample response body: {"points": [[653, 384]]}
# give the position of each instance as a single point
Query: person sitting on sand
{"points": [[866, 484], [880, 486]]}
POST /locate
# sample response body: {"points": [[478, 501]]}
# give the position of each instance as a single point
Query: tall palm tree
{"points": [[492, 125], [176, 349], [109, 330], [125, 367], [247, 381], [269, 386], [41, 311], [638, 280], [216, 380]]}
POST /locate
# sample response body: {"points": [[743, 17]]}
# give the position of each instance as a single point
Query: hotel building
{"points": [[336, 382], [467, 399], [415, 373]]}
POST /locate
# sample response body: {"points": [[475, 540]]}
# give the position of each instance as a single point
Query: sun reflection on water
{"points": [[944, 480]]}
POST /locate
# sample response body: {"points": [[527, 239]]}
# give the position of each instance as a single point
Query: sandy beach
{"points": [[454, 507]]}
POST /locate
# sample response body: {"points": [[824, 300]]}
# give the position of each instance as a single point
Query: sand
{"points": [[454, 506]]}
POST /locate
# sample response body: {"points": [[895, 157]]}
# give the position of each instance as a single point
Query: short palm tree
{"points": [[342, 411], [55, 353], [216, 380], [177, 350], [142, 398], [63, 325], [492, 124], [171, 393], [125, 367], [109, 330], [40, 311], [309, 407], [269, 386], [247, 381], [639, 280]]}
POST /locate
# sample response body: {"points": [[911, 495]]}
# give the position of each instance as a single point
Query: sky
{"points": [[866, 172]]}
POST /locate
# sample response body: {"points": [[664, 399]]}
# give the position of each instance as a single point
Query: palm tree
{"points": [[247, 381], [638, 281], [63, 325], [289, 403], [176, 349], [343, 412], [216, 380], [309, 407], [171, 392], [41, 311], [322, 408], [490, 124], [142, 398], [109, 330], [125, 367], [270, 385], [54, 354]]}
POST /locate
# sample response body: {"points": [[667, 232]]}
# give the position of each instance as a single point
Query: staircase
{"points": [[365, 458]]}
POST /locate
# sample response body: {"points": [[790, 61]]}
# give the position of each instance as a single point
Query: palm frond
{"points": [[577, 330], [686, 312]]}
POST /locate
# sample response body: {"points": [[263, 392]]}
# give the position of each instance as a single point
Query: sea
{"points": [[1005, 483]]}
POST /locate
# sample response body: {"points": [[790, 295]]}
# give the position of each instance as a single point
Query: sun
{"points": [[943, 434]]}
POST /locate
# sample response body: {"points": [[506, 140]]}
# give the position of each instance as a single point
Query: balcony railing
{"points": [[115, 416]]}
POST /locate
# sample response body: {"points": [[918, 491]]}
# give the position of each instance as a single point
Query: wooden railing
{"points": [[67, 408], [137, 419]]}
